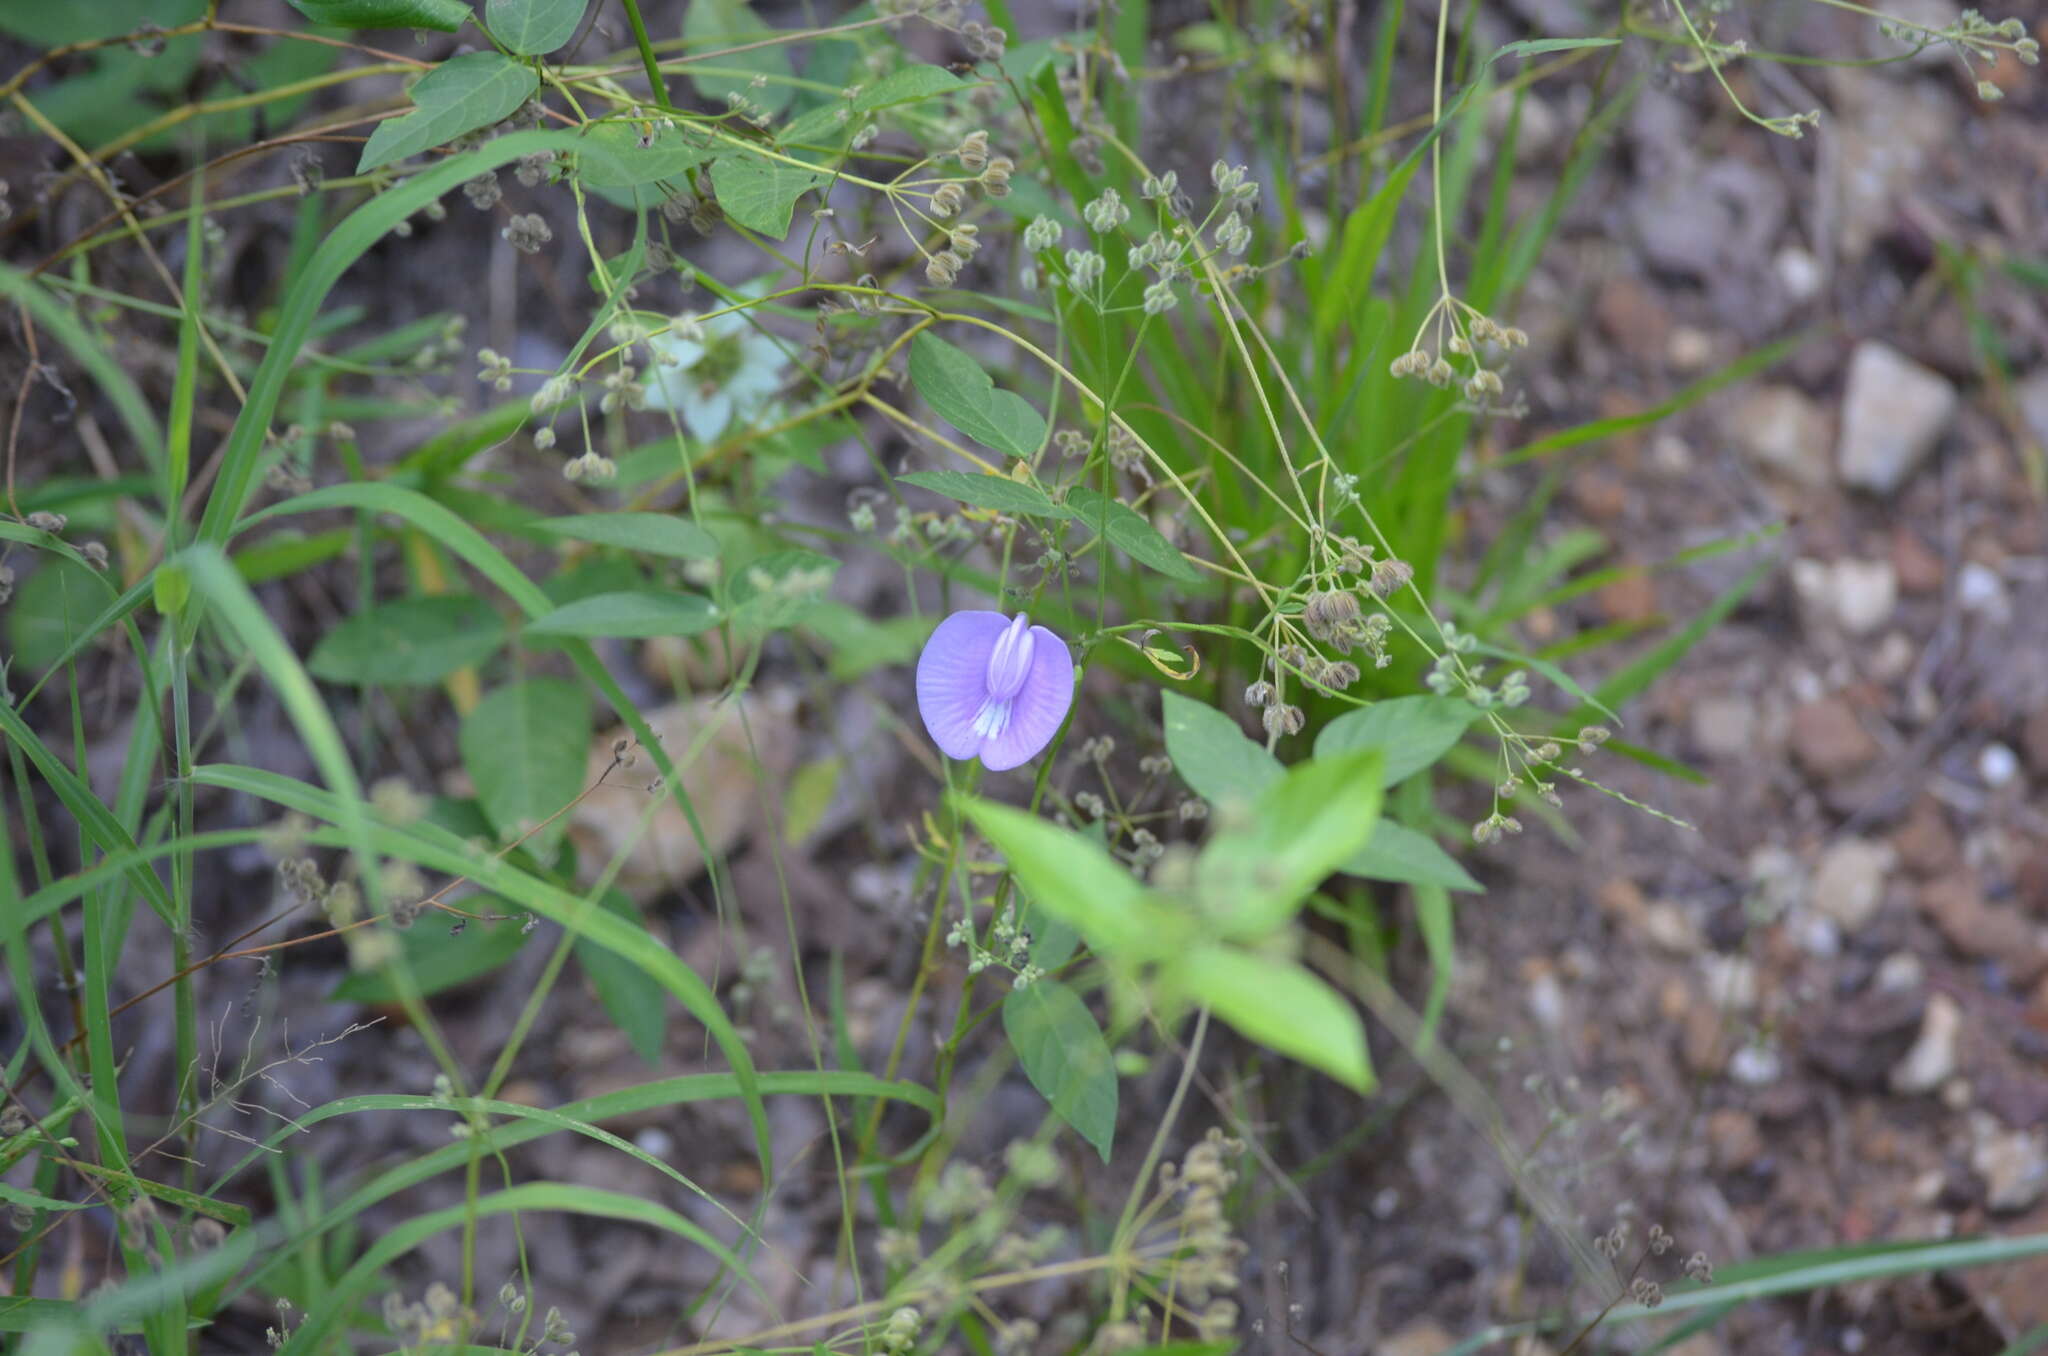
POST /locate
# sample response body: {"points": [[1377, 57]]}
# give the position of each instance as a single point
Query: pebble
{"points": [[1784, 433], [1933, 1057], [1918, 568], [2032, 398], [1900, 972], [1688, 349], [1798, 273], [1857, 595], [1546, 999], [1730, 981], [1633, 316], [1777, 880], [1997, 765], [1724, 727], [1848, 885], [1754, 1065], [1893, 412], [1733, 1139], [1829, 742], [2034, 740], [2013, 1164], [1955, 905], [1979, 590], [1925, 844], [1423, 1337], [1670, 930]]}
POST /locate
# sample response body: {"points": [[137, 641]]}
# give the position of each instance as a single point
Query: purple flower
{"points": [[994, 688]]}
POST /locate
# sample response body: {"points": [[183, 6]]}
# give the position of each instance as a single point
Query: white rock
{"points": [[1784, 433], [1730, 981], [1688, 349], [1815, 932], [1724, 727], [1857, 595], [1546, 1000], [1997, 765], [1893, 411], [1777, 881], [1755, 1065], [1668, 929], [1980, 590], [2013, 1164], [1933, 1056], [1798, 273], [1848, 885], [1899, 972]]}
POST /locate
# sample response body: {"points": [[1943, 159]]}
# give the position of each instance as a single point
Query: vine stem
{"points": [[647, 58]]}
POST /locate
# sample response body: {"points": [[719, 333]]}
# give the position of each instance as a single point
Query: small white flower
{"points": [[714, 373]]}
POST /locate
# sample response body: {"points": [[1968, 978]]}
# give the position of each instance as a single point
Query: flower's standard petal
{"points": [[952, 679], [1039, 706]]}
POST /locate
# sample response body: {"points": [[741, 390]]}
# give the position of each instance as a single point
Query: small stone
{"points": [[1754, 1065], [1955, 905], [1925, 844], [2034, 741], [1670, 930], [1778, 881], [1829, 742], [1848, 885], [1891, 658], [1600, 495], [1724, 727], [1798, 272], [1900, 972], [1980, 590], [1732, 1139], [2013, 1164], [1622, 900], [1932, 1059], [1630, 598], [1689, 349], [1632, 316], [1784, 433], [1920, 571], [1546, 999], [1893, 412], [1856, 595], [1997, 765], [1730, 981]]}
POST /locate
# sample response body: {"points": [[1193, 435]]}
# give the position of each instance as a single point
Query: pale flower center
{"points": [[1008, 665]]}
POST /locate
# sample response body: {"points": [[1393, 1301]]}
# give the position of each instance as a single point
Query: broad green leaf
{"points": [[1217, 760], [761, 194], [525, 746], [1073, 880], [907, 86], [441, 15], [438, 957], [1410, 732], [631, 997], [611, 156], [953, 382], [1000, 493], [533, 27], [1065, 1057], [410, 640], [1303, 828], [1052, 941], [1128, 530], [54, 609], [1398, 853], [712, 26], [654, 534], [629, 615], [462, 94], [1280, 1005]]}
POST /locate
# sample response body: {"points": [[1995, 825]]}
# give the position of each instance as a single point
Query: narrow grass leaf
{"points": [[654, 534]]}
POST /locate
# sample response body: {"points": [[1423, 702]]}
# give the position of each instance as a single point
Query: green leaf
{"points": [[54, 609], [1128, 530], [907, 86], [990, 492], [629, 615], [710, 27], [1303, 828], [781, 588], [443, 16], [1280, 1005], [1052, 942], [1074, 880], [1542, 46], [533, 27], [525, 746], [1398, 853], [654, 534], [1065, 1057], [1411, 732], [462, 94], [411, 640], [631, 997], [760, 194], [1217, 760], [955, 385], [439, 959], [611, 156]]}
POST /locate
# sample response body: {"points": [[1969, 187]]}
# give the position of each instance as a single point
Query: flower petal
{"points": [[952, 679], [1038, 709], [707, 416]]}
